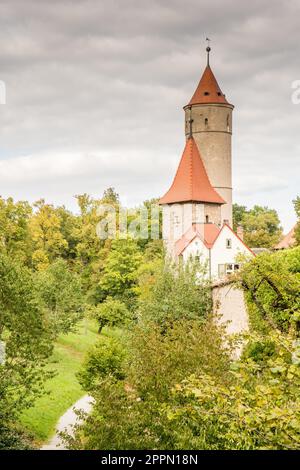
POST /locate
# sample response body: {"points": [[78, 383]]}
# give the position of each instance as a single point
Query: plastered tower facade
{"points": [[208, 116]]}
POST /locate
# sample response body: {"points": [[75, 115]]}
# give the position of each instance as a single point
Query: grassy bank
{"points": [[63, 389]]}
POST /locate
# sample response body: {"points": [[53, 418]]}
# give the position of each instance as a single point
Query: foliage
{"points": [[261, 227], [15, 236], [259, 351], [48, 241], [238, 213], [111, 312], [14, 438], [272, 284], [105, 359], [297, 210], [128, 413], [26, 341], [177, 292], [258, 409], [119, 276], [59, 296]]}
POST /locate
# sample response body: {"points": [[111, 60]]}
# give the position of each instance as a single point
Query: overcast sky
{"points": [[95, 90]]}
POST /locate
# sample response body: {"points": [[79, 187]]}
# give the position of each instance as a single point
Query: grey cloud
{"points": [[93, 77]]}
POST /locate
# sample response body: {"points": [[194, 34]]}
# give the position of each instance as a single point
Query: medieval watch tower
{"points": [[209, 115]]}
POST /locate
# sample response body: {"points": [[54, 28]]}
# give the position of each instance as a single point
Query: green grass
{"points": [[63, 389]]}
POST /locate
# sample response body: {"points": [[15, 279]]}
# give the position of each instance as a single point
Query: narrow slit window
{"points": [[228, 243]]}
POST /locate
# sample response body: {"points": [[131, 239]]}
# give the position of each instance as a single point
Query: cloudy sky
{"points": [[95, 90]]}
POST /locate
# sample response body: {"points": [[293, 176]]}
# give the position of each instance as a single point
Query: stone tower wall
{"points": [[212, 131]]}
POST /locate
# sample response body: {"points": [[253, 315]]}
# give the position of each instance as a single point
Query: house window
{"points": [[228, 243], [227, 269], [231, 268]]}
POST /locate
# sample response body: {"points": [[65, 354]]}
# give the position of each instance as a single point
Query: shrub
{"points": [[105, 359]]}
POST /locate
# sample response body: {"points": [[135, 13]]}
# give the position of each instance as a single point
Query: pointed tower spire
{"points": [[208, 90]]}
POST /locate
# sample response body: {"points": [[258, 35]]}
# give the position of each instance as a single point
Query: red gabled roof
{"points": [[208, 90], [208, 233], [191, 182]]}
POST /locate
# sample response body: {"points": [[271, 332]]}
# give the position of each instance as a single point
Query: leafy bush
{"points": [[272, 285], [259, 351], [258, 409], [105, 359]]}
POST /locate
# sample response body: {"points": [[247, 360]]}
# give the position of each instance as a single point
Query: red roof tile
{"points": [[208, 90], [191, 182]]}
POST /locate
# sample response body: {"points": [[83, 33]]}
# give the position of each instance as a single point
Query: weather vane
{"points": [[208, 49]]}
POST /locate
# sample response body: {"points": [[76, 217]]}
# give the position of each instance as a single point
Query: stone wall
{"points": [[229, 303]]}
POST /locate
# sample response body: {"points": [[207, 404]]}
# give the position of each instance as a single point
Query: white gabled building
{"points": [[197, 209], [219, 248]]}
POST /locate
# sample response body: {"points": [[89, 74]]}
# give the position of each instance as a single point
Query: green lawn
{"points": [[64, 389]]}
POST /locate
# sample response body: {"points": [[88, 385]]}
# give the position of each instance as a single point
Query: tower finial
{"points": [[208, 49]]}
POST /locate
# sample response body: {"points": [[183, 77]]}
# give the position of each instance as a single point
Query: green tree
{"points": [[119, 276], [59, 296], [111, 312], [90, 251], [48, 241], [15, 236], [177, 292], [261, 227], [25, 346], [238, 212]]}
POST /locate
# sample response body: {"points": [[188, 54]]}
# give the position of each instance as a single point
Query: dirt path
{"points": [[66, 421]]}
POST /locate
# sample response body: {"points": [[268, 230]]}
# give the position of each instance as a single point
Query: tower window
{"points": [[219, 93], [207, 219], [227, 123], [206, 122], [206, 93]]}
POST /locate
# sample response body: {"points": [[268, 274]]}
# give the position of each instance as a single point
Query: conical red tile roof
{"points": [[208, 90], [191, 182]]}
